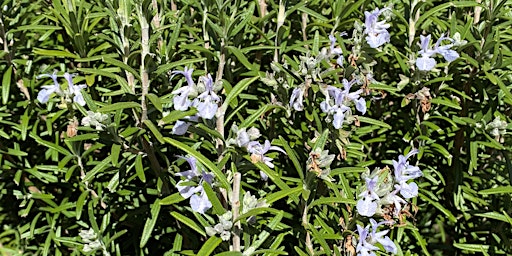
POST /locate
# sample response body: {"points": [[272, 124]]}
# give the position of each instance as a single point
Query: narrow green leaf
{"points": [[118, 105], [472, 247], [139, 169], [368, 120], [446, 212], [150, 223], [6, 85], [190, 223], [212, 196], [209, 246], [332, 200], [50, 145], [80, 203], [202, 159], [270, 198], [496, 190], [239, 87], [172, 199], [55, 53], [241, 57]]}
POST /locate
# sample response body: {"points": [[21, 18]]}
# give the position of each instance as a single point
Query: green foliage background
{"points": [[120, 182]]}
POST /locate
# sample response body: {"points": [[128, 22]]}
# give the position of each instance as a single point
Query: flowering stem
{"points": [[413, 18], [235, 207]]}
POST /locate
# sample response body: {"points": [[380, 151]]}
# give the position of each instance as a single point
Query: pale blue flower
{"points": [[338, 106], [207, 102], [187, 73], [336, 50], [367, 205], [198, 199], [426, 62], [181, 127], [181, 100], [297, 99], [368, 240], [403, 170], [377, 237], [75, 90], [44, 95], [376, 30], [364, 248], [393, 198], [258, 152], [200, 203]]}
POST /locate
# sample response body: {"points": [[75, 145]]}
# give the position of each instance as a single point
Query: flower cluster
{"points": [[426, 62], [250, 202], [497, 127], [247, 139], [192, 186], [72, 93], [223, 227], [375, 30], [368, 239], [380, 193], [92, 242], [95, 119], [201, 96], [337, 102]]}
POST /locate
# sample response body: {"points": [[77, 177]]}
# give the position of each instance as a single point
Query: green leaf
{"points": [[446, 102], [368, 120], [332, 200], [150, 223], [50, 145], [241, 57], [270, 198], [98, 168], [80, 203], [472, 247], [202, 159], [209, 246], [212, 196], [176, 115], [438, 8], [55, 53], [154, 130], [118, 105], [190, 223], [139, 169], [441, 208], [6, 85], [172, 199], [239, 87], [496, 190]]}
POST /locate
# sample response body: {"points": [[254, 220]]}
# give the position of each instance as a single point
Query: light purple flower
{"points": [[364, 248], [337, 107], [75, 90], [200, 203], [367, 205], [181, 100], [377, 237], [376, 30], [336, 50], [198, 199], [44, 95], [187, 73], [403, 170], [206, 102], [297, 99], [258, 152], [181, 127], [426, 62]]}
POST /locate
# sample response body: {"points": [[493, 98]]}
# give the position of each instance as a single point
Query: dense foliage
{"points": [[183, 127]]}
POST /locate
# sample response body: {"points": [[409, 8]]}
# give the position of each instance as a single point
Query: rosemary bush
{"points": [[265, 127]]}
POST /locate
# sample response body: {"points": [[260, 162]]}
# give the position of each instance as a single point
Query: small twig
{"points": [[144, 73], [478, 11], [304, 25], [235, 207]]}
